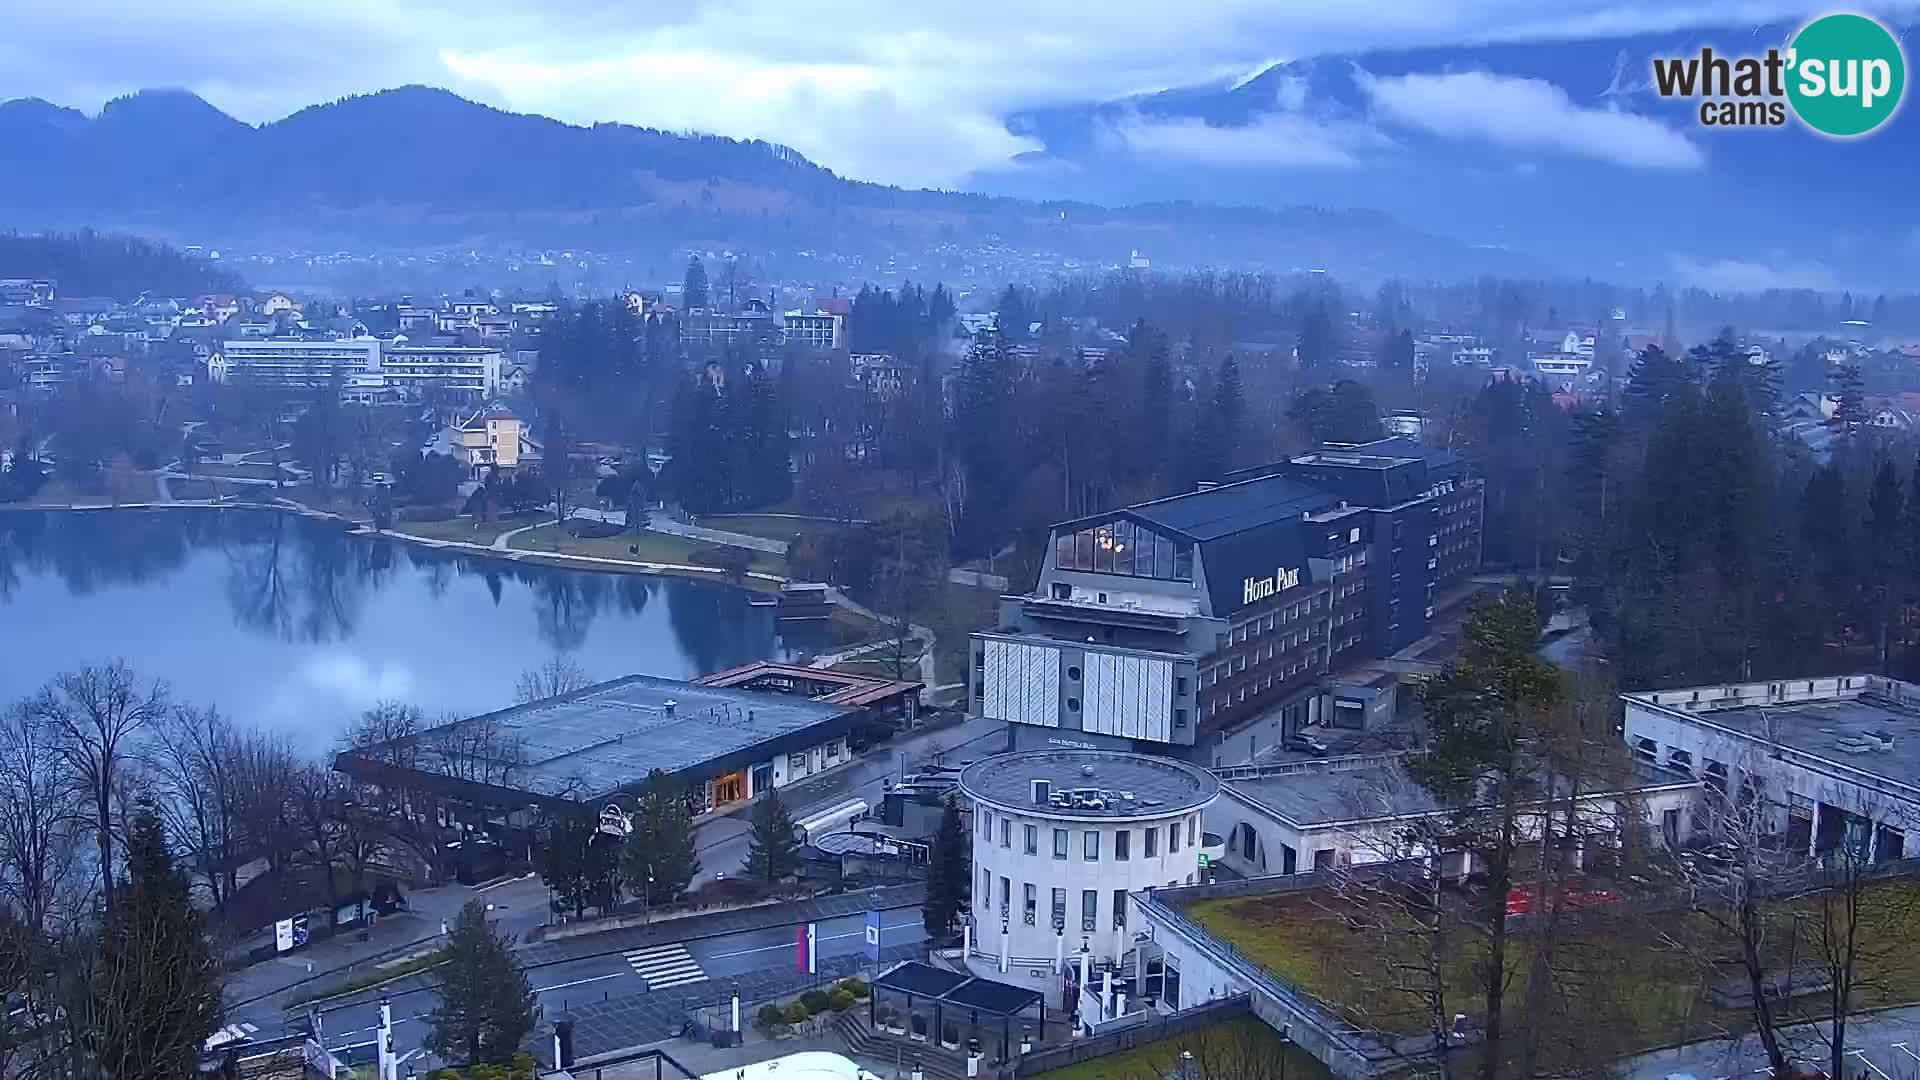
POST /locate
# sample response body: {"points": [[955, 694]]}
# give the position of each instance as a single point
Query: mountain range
{"points": [[1563, 151], [1546, 158], [418, 167]]}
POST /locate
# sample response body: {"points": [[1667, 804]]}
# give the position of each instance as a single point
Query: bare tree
{"points": [[98, 715], [479, 749], [1735, 879], [339, 834], [196, 759], [1852, 919], [559, 675], [263, 776], [40, 804]]}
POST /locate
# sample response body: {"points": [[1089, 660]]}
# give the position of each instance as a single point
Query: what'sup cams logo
{"points": [[1843, 75]]}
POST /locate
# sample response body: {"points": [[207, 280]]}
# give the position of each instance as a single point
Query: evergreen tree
{"points": [[1850, 402], [486, 1006], [1828, 540], [660, 862], [1015, 314], [579, 863], [693, 293], [154, 993], [1400, 351], [1886, 555], [948, 874], [1485, 716], [772, 851], [1316, 347], [1156, 395], [1656, 375]]}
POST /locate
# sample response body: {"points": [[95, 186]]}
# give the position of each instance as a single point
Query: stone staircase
{"points": [[872, 1045]]}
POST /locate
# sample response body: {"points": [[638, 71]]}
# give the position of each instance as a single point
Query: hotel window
{"points": [[986, 890], [1006, 832], [1032, 838], [1092, 846], [1152, 842], [986, 824], [1033, 902], [1119, 909], [1180, 685], [1059, 909], [1179, 718], [1089, 910], [1006, 897], [1059, 843], [1239, 664], [1173, 838], [1120, 840]]}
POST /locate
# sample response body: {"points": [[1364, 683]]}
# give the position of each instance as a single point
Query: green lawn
{"points": [[769, 526], [631, 547], [1233, 1048], [463, 529], [1624, 980], [957, 611]]}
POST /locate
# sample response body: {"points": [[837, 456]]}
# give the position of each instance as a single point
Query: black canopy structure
{"points": [[955, 994]]}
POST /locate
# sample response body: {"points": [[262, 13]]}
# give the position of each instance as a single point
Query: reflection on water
{"points": [[300, 624]]}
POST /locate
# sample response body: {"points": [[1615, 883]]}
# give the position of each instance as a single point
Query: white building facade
{"points": [[294, 364], [412, 369], [1060, 837]]}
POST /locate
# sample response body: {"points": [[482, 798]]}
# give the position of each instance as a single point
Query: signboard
{"points": [[1283, 579], [1203, 860], [613, 821], [873, 936], [283, 935]]}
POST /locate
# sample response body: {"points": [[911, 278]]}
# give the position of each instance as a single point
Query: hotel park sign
{"points": [[1260, 588]]}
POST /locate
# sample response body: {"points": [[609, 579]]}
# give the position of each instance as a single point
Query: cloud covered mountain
{"points": [[1561, 151], [419, 167]]}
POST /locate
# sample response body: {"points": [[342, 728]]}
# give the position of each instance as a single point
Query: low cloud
{"points": [[1742, 276], [1529, 114], [1275, 139], [354, 682]]}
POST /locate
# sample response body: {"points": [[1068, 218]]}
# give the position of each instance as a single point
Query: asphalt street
{"points": [[638, 995]]}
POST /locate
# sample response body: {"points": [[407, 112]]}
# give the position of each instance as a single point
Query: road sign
{"points": [[613, 821], [1203, 861], [283, 935], [299, 930], [873, 936], [807, 950]]}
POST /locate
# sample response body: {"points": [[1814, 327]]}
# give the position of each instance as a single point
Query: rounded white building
{"points": [[1060, 837]]}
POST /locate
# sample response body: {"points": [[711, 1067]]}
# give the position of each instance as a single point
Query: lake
{"points": [[293, 623]]}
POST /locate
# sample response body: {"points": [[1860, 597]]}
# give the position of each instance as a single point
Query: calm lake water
{"points": [[294, 624]]}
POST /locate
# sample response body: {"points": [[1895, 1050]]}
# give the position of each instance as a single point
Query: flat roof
{"points": [[1128, 785], [848, 688], [609, 736], [1844, 728], [1318, 798]]}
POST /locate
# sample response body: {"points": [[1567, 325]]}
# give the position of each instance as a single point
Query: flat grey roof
{"points": [[1160, 787], [1827, 728], [1319, 798], [595, 741]]}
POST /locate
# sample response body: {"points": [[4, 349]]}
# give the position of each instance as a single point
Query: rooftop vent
{"points": [[670, 705], [1086, 770], [1042, 792], [1205, 485]]}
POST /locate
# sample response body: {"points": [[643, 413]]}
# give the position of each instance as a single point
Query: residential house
{"points": [[492, 438]]}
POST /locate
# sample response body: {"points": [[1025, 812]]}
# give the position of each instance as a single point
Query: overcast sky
{"points": [[901, 91]]}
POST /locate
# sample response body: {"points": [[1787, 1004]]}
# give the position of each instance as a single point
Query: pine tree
{"points": [[579, 863], [1850, 402], [1886, 555], [154, 994], [693, 293], [772, 851], [1316, 346], [948, 875], [486, 1006], [660, 861]]}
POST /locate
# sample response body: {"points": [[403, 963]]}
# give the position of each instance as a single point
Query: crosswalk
{"points": [[666, 965]]}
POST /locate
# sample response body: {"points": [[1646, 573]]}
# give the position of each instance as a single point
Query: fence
{"points": [[1059, 1057]]}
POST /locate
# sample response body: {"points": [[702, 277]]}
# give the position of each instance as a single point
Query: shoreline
{"points": [[753, 581]]}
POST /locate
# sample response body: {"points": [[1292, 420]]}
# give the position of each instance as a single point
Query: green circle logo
{"points": [[1846, 75]]}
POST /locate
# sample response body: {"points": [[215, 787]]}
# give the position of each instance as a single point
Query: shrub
{"points": [[768, 1016], [855, 985], [797, 1013], [815, 1001], [734, 561], [524, 1067], [840, 1001]]}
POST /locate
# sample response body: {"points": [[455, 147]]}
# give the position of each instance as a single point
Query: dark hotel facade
{"points": [[1163, 625]]}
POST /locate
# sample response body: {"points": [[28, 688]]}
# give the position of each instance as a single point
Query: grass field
{"points": [[1239, 1047], [768, 526], [1625, 979], [464, 529], [242, 470], [630, 547]]}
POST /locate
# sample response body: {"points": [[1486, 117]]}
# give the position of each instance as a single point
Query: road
{"points": [[638, 996], [722, 842], [1885, 1046]]}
